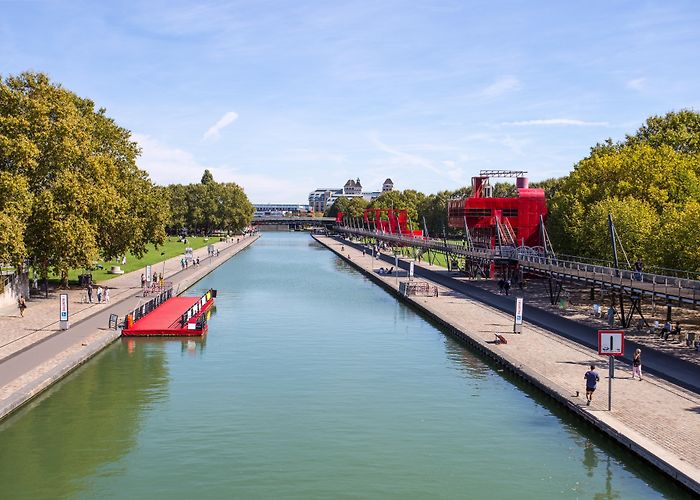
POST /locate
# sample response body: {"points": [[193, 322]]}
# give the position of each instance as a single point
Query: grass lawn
{"points": [[171, 248]]}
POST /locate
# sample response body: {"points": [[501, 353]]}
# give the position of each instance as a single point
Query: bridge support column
{"points": [[622, 309]]}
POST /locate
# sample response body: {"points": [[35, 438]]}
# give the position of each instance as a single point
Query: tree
{"points": [[208, 206], [679, 243], [350, 207], [433, 208], [649, 182], [15, 208], [504, 190], [636, 224], [408, 200], [678, 129], [88, 197], [207, 177]]}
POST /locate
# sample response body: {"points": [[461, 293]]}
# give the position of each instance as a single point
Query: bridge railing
{"points": [[535, 258], [633, 279]]}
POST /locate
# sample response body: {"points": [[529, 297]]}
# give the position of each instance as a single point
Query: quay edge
{"points": [[549, 388]]}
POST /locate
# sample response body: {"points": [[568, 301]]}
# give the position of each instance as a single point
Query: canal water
{"points": [[312, 383]]}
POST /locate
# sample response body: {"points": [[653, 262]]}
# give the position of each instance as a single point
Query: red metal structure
{"points": [[516, 219], [386, 220]]}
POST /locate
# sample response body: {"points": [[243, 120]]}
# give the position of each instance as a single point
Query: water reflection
{"points": [[48, 448]]}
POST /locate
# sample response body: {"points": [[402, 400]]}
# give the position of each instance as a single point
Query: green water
{"points": [[312, 383]]}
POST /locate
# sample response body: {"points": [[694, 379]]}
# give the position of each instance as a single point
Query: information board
{"points": [[63, 316], [519, 311]]}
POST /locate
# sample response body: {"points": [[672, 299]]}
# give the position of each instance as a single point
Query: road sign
{"points": [[518, 326], [149, 273], [611, 342], [410, 270]]}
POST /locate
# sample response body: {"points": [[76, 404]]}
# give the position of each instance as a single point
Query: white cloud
{"points": [[447, 168], [501, 86], [166, 165], [556, 122], [637, 84], [215, 130]]}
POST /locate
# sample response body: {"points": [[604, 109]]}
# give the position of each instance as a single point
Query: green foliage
{"points": [[636, 223], [350, 207], [504, 190], [207, 177], [434, 209], [678, 129], [82, 193], [15, 208], [408, 200], [679, 241], [208, 206], [650, 183]]}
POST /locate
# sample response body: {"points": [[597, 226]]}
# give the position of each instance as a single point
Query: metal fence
{"points": [[143, 309]]}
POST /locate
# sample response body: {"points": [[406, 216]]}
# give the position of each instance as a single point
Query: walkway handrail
{"points": [[534, 259]]}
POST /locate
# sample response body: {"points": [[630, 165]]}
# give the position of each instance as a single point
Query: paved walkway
{"points": [[658, 419], [37, 354], [41, 316]]}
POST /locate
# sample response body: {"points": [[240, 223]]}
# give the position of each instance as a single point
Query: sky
{"points": [[284, 97]]}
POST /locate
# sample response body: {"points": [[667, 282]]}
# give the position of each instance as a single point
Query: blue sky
{"points": [[287, 96]]}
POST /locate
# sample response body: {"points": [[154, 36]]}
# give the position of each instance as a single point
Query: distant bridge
{"points": [[294, 222]]}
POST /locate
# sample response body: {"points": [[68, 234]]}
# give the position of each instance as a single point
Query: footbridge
{"points": [[294, 222], [625, 283]]}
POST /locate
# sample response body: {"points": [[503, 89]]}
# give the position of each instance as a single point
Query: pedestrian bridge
{"points": [[298, 221], [681, 291]]}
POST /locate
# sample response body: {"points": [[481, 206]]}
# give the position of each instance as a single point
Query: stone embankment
{"points": [[655, 418], [34, 353]]}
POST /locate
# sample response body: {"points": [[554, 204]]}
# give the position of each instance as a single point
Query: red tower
{"points": [[519, 218]]}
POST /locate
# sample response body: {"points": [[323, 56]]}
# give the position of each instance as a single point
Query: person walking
{"points": [[638, 268], [506, 287], [637, 364], [106, 295], [89, 292], [99, 294], [611, 316], [143, 281], [592, 379], [21, 305]]}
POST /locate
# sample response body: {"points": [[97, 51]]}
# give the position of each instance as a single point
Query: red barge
{"points": [[166, 315]]}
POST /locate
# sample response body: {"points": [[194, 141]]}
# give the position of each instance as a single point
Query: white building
{"points": [[322, 199], [279, 209]]}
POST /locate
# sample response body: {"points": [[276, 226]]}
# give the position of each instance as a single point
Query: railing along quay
{"points": [[672, 288]]}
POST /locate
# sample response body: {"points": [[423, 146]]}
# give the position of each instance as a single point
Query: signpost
{"points": [[410, 270], [611, 343], [63, 315], [518, 325], [396, 269], [149, 273]]}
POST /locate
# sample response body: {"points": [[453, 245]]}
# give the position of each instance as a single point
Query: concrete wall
{"points": [[15, 285]]}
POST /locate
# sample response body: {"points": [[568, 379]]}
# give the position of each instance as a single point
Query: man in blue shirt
{"points": [[592, 379]]}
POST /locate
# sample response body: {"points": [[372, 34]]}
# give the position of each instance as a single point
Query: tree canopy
{"points": [[650, 183], [208, 206], [70, 189]]}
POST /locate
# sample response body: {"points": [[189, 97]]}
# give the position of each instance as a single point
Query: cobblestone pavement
{"points": [[655, 414], [47, 353]]}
